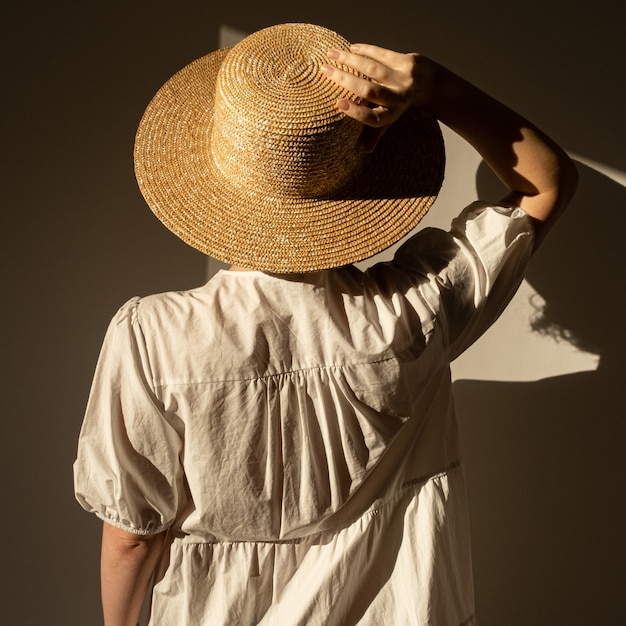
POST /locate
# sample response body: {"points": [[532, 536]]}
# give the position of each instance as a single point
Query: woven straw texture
{"points": [[244, 155]]}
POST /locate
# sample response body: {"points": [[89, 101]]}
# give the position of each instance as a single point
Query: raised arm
{"points": [[539, 174]]}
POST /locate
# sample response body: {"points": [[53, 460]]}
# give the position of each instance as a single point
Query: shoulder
{"points": [[155, 312], [165, 304]]}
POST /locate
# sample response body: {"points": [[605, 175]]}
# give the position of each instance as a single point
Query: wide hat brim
{"points": [[245, 226]]}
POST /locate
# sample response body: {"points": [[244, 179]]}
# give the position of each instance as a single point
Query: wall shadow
{"points": [[546, 482]]}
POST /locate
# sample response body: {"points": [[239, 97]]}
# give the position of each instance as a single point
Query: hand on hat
{"points": [[397, 82]]}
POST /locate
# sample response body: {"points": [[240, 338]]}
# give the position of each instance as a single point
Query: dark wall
{"points": [[77, 241]]}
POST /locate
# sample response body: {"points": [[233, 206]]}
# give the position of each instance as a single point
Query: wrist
{"points": [[425, 77]]}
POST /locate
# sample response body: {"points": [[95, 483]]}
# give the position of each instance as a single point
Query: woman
{"points": [[279, 446]]}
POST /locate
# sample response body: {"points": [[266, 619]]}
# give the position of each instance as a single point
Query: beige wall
{"points": [[542, 421]]}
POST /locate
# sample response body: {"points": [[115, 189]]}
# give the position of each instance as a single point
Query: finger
{"points": [[387, 57], [370, 116], [371, 68], [373, 92]]}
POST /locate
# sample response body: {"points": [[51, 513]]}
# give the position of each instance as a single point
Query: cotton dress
{"points": [[297, 437]]}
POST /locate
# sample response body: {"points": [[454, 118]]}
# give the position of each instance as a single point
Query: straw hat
{"points": [[244, 155]]}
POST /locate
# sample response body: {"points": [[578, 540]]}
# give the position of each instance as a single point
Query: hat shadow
{"points": [[545, 481]]}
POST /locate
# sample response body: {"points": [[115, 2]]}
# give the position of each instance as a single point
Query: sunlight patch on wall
{"points": [[512, 351], [613, 173], [229, 35]]}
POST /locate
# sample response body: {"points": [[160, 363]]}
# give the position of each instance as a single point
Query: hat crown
{"points": [[276, 127]]}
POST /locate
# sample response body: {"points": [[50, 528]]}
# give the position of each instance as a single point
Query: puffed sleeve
{"points": [[127, 469], [475, 268]]}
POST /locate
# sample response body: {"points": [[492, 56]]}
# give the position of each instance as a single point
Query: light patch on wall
{"points": [[229, 35], [511, 350], [610, 172]]}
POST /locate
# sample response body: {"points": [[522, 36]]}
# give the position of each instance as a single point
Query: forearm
{"points": [[126, 567], [539, 174]]}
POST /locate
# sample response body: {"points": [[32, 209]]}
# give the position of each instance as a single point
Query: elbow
{"points": [[130, 545], [559, 193], [546, 207]]}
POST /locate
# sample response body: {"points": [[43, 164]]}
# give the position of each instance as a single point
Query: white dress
{"points": [[297, 437]]}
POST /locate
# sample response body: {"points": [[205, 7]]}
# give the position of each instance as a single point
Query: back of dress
{"points": [[297, 435]]}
